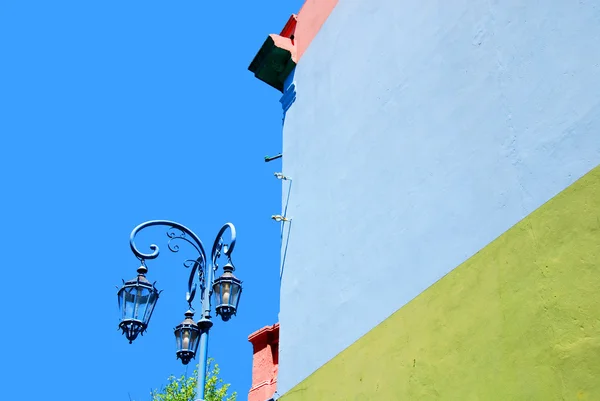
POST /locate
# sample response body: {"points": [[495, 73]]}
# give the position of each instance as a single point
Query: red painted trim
{"points": [[263, 334], [290, 27]]}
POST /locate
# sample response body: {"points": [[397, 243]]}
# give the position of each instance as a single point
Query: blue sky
{"points": [[113, 113]]}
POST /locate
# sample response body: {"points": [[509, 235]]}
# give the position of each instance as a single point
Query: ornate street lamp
{"points": [[137, 297], [186, 335], [227, 290]]}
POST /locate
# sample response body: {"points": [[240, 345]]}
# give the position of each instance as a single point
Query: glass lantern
{"points": [[137, 299], [227, 290], [186, 336]]}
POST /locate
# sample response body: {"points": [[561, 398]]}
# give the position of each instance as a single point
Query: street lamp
{"points": [[186, 335], [227, 290], [137, 297]]}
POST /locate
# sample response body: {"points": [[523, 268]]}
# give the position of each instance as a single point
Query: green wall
{"points": [[520, 320]]}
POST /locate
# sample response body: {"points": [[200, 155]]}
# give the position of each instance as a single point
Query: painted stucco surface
{"points": [[422, 131], [518, 321], [264, 363]]}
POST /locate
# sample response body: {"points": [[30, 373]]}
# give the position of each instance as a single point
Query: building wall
{"points": [[422, 131], [518, 321], [265, 344]]}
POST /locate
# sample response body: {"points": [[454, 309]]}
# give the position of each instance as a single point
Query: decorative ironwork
{"points": [[189, 334], [194, 264], [175, 232], [219, 244], [178, 232], [174, 236]]}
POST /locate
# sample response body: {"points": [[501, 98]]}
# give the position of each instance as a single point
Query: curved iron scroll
{"points": [[183, 234], [187, 235], [220, 246]]}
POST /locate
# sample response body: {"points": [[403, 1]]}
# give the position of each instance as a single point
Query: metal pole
{"points": [[205, 324], [203, 363]]}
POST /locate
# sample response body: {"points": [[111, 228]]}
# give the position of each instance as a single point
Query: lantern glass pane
{"points": [[226, 292], [121, 297], [194, 340], [185, 339], [139, 307], [149, 300], [178, 338], [128, 302], [217, 292], [137, 302], [235, 294]]}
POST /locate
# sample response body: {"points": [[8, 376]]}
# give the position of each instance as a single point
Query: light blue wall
{"points": [[422, 130]]}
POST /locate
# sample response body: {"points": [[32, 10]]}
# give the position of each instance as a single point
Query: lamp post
{"points": [[138, 297]]}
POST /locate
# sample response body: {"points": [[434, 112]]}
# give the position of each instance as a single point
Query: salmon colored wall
{"points": [[265, 363], [311, 18]]}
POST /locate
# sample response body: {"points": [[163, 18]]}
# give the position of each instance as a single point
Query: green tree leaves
{"points": [[184, 389]]}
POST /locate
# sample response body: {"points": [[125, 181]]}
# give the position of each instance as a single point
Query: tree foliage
{"points": [[184, 389]]}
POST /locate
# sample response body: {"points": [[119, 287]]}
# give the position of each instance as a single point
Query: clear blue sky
{"points": [[113, 113]]}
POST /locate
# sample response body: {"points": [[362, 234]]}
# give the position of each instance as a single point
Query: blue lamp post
{"points": [[138, 297]]}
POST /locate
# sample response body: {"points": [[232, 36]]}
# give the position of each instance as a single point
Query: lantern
{"points": [[227, 290], [186, 336], [137, 299]]}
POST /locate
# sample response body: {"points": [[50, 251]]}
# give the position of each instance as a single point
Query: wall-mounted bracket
{"points": [[271, 158], [280, 176]]}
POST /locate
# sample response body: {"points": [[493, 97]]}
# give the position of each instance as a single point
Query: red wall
{"points": [[264, 363]]}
